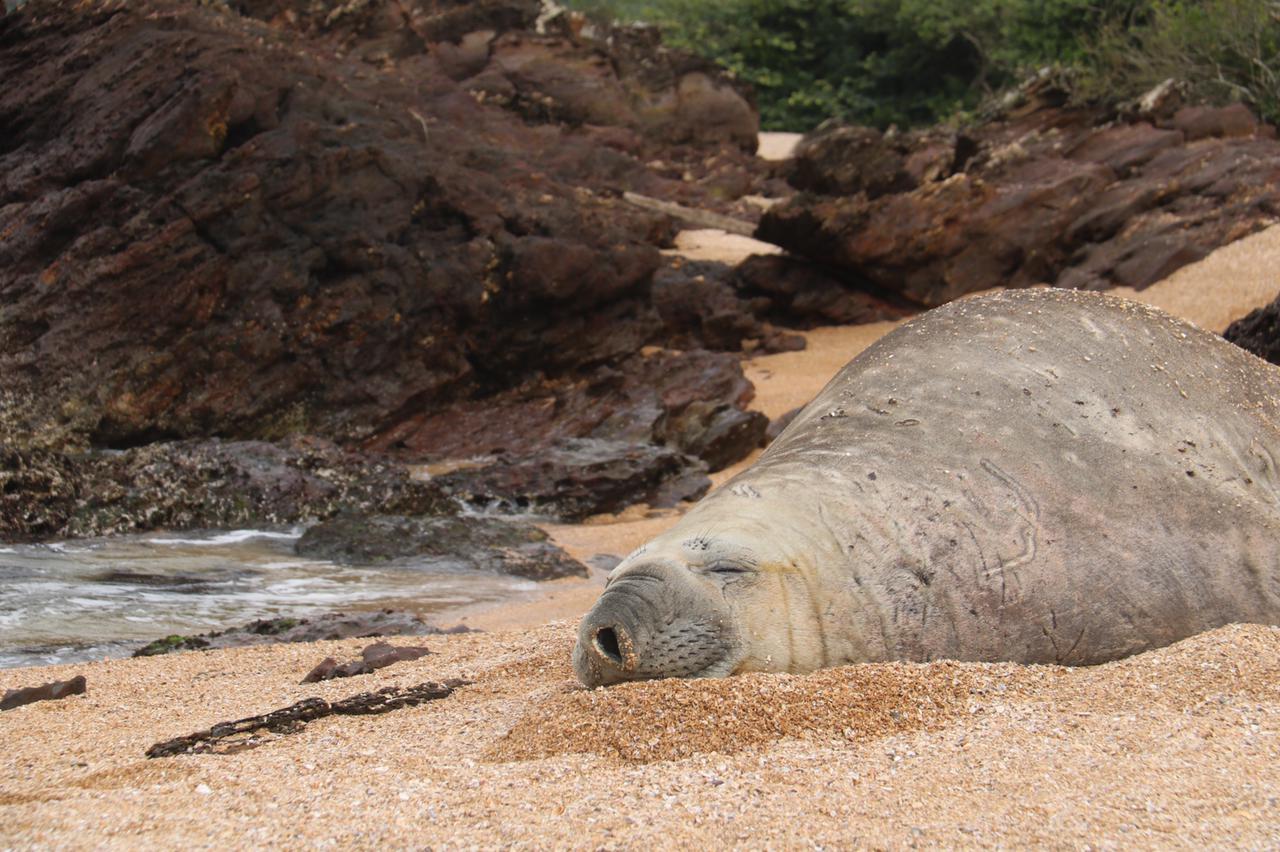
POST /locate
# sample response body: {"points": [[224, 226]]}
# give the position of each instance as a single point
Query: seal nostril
{"points": [[607, 644]]}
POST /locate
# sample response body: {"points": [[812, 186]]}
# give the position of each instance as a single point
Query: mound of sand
{"points": [[674, 719]]}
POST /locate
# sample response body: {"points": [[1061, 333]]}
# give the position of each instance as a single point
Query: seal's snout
{"points": [[647, 626], [605, 652]]}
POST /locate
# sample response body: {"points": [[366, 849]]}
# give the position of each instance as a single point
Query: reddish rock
{"points": [[47, 692], [802, 295], [1124, 147], [845, 160], [630, 403], [700, 308], [1044, 195], [278, 217], [1205, 122], [379, 655]]}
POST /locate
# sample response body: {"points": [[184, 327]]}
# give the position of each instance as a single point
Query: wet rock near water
{"points": [[1258, 332], [376, 656], [579, 477], [397, 226], [316, 628], [475, 543], [199, 484], [1042, 194], [46, 692]]}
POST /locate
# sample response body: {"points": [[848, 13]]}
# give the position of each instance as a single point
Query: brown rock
{"points": [[842, 159], [1205, 122], [285, 218], [1124, 147], [474, 543], [575, 478], [629, 404], [47, 692], [803, 295], [373, 657], [1043, 195]]}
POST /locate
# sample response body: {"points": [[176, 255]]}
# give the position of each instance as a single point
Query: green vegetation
{"points": [[171, 643], [911, 62], [1225, 50]]}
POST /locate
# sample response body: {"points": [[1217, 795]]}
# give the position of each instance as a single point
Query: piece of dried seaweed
{"points": [[251, 732]]}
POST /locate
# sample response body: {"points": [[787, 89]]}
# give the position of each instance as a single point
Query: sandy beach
{"points": [[1178, 747]]}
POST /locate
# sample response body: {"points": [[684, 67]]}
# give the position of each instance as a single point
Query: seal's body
{"points": [[1042, 476]]}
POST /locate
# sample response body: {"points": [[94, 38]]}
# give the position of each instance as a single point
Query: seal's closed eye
{"points": [[723, 567]]}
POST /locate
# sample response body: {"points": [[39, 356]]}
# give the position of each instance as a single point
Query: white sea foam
{"points": [[230, 537], [64, 547]]}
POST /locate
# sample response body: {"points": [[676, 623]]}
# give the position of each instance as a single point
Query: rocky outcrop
{"points": [[721, 307], [686, 401], [475, 543], [1046, 194], [542, 61], [389, 224], [220, 225], [804, 295]]}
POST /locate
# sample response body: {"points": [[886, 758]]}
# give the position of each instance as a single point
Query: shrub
{"points": [[1225, 50], [911, 62]]}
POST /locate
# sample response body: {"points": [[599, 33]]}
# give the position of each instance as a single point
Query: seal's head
{"points": [[705, 600]]}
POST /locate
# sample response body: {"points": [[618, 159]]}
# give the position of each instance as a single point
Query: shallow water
{"points": [[81, 600]]}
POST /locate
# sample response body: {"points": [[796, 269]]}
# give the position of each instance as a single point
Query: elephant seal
{"points": [[1040, 476]]}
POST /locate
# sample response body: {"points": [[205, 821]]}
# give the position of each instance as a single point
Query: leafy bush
{"points": [[913, 62], [1225, 50], [870, 61]]}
